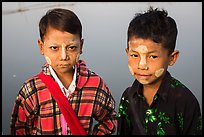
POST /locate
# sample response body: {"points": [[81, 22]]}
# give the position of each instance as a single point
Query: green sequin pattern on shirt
{"points": [[123, 106], [161, 118], [175, 83]]}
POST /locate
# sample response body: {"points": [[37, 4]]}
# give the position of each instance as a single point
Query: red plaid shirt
{"points": [[35, 112]]}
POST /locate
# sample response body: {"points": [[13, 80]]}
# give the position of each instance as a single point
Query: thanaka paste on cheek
{"points": [[142, 81], [47, 59], [77, 57], [159, 72], [131, 70]]}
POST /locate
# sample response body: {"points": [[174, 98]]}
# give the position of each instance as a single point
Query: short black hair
{"points": [[154, 24], [60, 19]]}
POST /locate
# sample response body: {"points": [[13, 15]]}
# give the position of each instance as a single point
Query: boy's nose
{"points": [[142, 64], [64, 54]]}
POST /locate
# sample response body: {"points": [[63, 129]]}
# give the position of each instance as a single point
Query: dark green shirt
{"points": [[174, 110]]}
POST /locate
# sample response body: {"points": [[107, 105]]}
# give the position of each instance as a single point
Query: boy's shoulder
{"points": [[126, 93], [179, 91], [32, 80], [33, 83], [84, 71], [176, 84], [88, 72]]}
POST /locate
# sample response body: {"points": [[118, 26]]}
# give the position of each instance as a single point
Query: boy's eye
{"points": [[153, 56], [53, 48], [72, 48], [134, 55]]}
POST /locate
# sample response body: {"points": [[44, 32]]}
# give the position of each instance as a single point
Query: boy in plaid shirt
{"points": [[36, 112]]}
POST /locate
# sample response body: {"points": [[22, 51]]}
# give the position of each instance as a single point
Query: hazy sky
{"points": [[104, 31]]}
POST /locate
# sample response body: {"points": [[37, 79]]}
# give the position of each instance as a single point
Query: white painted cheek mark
{"points": [[47, 59], [131, 70], [159, 72], [77, 57]]}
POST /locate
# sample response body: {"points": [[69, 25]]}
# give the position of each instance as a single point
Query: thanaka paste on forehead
{"points": [[159, 72], [68, 42], [72, 41], [132, 41], [138, 42], [140, 49]]}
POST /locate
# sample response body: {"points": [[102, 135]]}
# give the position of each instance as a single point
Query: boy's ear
{"points": [[40, 44], [173, 57], [127, 50]]}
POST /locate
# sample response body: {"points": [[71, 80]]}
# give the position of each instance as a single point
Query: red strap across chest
{"points": [[69, 114]]}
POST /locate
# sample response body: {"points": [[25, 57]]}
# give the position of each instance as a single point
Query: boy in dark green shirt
{"points": [[156, 103]]}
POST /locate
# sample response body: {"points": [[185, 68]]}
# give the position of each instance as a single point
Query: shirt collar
{"points": [[164, 87], [71, 87], [162, 91], [81, 71]]}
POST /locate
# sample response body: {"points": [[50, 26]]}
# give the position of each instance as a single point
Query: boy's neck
{"points": [[150, 90], [66, 78]]}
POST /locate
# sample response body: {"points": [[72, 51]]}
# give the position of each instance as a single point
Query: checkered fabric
{"points": [[35, 112]]}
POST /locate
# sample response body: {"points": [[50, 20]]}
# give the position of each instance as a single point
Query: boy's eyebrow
{"points": [[68, 43], [149, 52], [153, 51]]}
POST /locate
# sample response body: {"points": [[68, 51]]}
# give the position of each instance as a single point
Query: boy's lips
{"points": [[143, 76], [63, 65]]}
